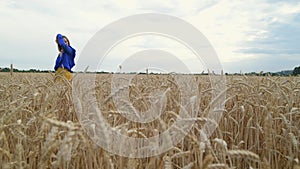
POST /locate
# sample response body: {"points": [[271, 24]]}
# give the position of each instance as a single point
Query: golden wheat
{"points": [[260, 126]]}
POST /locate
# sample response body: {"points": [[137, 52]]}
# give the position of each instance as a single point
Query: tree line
{"points": [[29, 71], [294, 72]]}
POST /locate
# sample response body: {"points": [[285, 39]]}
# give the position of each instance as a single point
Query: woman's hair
{"points": [[58, 46]]}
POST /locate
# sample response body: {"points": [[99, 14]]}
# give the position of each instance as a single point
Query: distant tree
{"points": [[33, 70], [5, 70], [296, 71]]}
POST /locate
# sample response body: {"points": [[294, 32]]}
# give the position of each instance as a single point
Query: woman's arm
{"points": [[61, 42]]}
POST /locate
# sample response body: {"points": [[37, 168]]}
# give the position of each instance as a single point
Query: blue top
{"points": [[66, 59]]}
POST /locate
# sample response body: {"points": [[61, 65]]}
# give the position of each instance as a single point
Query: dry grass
{"points": [[260, 127]]}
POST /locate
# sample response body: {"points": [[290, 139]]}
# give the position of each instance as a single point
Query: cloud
{"points": [[266, 63], [241, 31], [29, 28]]}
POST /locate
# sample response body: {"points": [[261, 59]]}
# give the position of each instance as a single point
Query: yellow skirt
{"points": [[62, 73]]}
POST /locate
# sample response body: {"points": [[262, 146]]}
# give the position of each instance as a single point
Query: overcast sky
{"points": [[250, 35]]}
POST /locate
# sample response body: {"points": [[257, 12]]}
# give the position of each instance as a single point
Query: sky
{"points": [[247, 36]]}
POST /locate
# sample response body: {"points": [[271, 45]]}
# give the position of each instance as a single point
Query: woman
{"points": [[65, 59]]}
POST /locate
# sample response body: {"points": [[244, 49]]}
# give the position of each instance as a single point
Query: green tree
{"points": [[296, 71]]}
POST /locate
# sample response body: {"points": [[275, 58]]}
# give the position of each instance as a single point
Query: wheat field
{"points": [[260, 126]]}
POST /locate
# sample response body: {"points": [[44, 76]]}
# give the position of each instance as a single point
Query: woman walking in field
{"points": [[65, 59]]}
